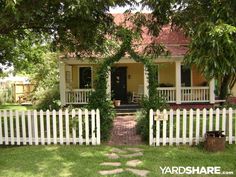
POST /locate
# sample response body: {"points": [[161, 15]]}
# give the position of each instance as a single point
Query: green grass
{"points": [[48, 161], [11, 106]]}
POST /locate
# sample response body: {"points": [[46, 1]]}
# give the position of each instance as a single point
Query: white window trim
{"points": [[68, 68]]}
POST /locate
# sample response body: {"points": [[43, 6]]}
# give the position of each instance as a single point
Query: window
{"points": [[185, 76], [85, 77]]}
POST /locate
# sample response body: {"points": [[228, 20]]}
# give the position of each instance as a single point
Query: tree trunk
{"points": [[224, 87]]}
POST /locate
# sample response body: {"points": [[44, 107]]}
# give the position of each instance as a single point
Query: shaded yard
{"points": [[18, 107], [84, 161]]}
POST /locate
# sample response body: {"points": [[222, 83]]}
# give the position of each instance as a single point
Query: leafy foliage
{"points": [[99, 99], [211, 27], [46, 77], [22, 52], [6, 95], [70, 26], [48, 99], [148, 103]]}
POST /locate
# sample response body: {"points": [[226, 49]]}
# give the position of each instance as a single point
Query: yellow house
{"points": [[233, 91], [177, 84]]}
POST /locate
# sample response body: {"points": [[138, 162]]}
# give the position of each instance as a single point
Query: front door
{"points": [[119, 83]]}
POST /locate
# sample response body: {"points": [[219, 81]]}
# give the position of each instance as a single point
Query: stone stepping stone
{"points": [[133, 163], [114, 164], [134, 149], [137, 154], [112, 156], [111, 172], [116, 150], [142, 173]]}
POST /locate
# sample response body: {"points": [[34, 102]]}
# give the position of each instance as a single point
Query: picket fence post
{"points": [[230, 125], [177, 126], [74, 127], [171, 127], [151, 127], [17, 128], [98, 127], [42, 127], [1, 137], [197, 126], [184, 125], [80, 128], [164, 127], [191, 127], [61, 127]]}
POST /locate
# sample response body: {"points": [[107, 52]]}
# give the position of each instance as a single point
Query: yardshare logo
{"points": [[180, 170]]}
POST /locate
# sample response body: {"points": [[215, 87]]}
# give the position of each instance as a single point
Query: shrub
{"points": [[107, 112], [6, 95], [143, 116], [48, 99]]}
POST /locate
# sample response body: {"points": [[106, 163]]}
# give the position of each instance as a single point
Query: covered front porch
{"points": [[128, 79]]}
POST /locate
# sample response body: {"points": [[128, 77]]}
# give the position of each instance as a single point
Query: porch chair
{"points": [[136, 97]]}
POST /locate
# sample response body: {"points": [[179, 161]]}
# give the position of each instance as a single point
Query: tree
{"points": [[211, 27], [23, 52], [70, 25], [46, 79]]}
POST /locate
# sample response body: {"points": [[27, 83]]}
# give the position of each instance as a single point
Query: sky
{"points": [[134, 9]]}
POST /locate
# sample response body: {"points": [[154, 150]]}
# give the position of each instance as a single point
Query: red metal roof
{"points": [[172, 38]]}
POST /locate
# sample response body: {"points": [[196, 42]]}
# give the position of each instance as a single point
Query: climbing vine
{"points": [[99, 98]]}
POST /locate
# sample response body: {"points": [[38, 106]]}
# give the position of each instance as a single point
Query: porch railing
{"points": [[167, 93], [195, 94], [188, 94], [78, 96]]}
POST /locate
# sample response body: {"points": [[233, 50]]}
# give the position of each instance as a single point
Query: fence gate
{"points": [[55, 127], [189, 127]]}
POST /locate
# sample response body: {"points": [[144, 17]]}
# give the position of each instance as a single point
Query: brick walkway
{"points": [[124, 131]]}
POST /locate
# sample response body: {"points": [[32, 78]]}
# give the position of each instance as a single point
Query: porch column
{"points": [[146, 82], [109, 84], [62, 83], [212, 91], [178, 81]]}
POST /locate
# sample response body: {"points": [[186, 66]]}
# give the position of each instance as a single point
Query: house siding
{"points": [[233, 91], [166, 73], [197, 78], [135, 75], [75, 84]]}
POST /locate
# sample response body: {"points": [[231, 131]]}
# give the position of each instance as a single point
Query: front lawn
{"points": [[11, 106], [84, 161]]}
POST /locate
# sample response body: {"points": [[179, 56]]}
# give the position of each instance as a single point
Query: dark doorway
{"points": [[185, 76], [119, 83]]}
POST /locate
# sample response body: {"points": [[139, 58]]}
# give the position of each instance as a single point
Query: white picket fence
{"points": [[189, 127], [55, 127]]}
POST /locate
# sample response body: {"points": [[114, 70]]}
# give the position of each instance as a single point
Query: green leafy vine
{"points": [[100, 99]]}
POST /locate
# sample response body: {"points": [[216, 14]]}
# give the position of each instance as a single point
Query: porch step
{"points": [[125, 113], [127, 109]]}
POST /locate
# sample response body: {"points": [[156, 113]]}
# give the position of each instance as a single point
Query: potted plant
{"points": [[116, 103], [215, 141]]}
